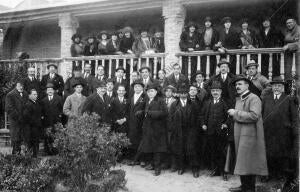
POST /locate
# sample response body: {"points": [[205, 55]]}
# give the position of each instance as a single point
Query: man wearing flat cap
{"points": [[54, 78], [281, 126], [225, 77], [260, 84], [52, 111], [248, 136]]}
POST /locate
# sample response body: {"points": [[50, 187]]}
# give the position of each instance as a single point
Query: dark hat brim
{"points": [[76, 36], [241, 79], [251, 64], [145, 67], [171, 88], [48, 66], [49, 85], [121, 68], [223, 62], [277, 82], [138, 83], [226, 19]]}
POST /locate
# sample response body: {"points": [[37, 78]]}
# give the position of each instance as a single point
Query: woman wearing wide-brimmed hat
{"points": [[102, 42], [189, 38], [127, 41], [77, 46]]}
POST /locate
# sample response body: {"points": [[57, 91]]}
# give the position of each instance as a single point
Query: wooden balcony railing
{"points": [[194, 58]]}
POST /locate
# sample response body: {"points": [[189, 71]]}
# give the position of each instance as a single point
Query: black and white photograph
{"points": [[149, 95]]}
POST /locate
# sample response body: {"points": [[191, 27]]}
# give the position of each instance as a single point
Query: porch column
{"points": [[3, 30], [68, 25], [174, 14]]}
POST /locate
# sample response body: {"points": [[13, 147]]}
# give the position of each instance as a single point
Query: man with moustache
{"points": [[30, 82], [248, 136], [99, 77]]}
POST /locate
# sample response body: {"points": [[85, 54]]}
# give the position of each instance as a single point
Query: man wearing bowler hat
{"points": [[260, 84], [248, 136], [281, 126], [54, 78]]}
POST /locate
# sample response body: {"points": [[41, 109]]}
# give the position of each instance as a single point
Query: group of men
{"points": [[175, 124]]}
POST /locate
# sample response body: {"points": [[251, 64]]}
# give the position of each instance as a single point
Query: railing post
{"points": [[110, 68], [180, 61], [131, 68], [198, 63], [238, 64], [270, 65], [259, 62], [117, 63], [155, 68], [207, 66], [282, 65], [189, 66], [294, 63]]}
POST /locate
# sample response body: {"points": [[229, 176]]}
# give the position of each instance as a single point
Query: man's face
{"points": [[50, 91], [138, 88], [252, 70], [157, 34], [77, 40], [192, 29], [227, 24], [134, 76], [103, 36], [207, 24], [120, 73], [87, 68], [241, 86], [277, 88], [91, 40], [176, 69], [290, 24], [101, 90], [145, 73], [109, 86], [216, 93], [31, 72], [78, 88], [33, 96], [20, 87], [245, 26], [193, 91], [266, 24], [121, 91], [161, 74], [127, 34], [224, 68], [168, 93], [77, 73], [151, 93], [144, 34], [114, 37], [199, 78], [100, 70], [52, 69]]}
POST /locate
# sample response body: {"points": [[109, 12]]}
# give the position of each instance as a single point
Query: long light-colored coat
{"points": [[72, 106], [249, 137]]}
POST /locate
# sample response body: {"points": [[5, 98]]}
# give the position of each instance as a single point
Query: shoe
{"points": [[143, 164], [180, 172], [225, 177], [157, 172], [235, 189], [149, 167], [195, 174]]}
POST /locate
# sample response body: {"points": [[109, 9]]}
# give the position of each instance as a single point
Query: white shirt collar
{"points": [[278, 96]]}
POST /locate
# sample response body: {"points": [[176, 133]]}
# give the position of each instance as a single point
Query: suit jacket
{"points": [[33, 120], [110, 98], [159, 45], [57, 81], [214, 40], [214, 116], [273, 38], [119, 111], [14, 106], [123, 82], [96, 80], [183, 81], [90, 50], [89, 84], [135, 124], [94, 104], [52, 110], [230, 40]]}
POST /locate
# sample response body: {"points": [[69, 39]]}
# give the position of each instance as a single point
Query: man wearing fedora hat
{"points": [[52, 111], [281, 126], [260, 84], [214, 126], [54, 78], [248, 136], [225, 77], [183, 135]]}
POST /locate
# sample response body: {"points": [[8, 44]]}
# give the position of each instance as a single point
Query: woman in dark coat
{"points": [[154, 139], [103, 41], [127, 41], [90, 49]]}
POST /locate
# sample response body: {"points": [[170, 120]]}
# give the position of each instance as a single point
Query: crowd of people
{"points": [[246, 125]]}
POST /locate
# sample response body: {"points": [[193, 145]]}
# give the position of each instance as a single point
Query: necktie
{"points": [[215, 101], [223, 78], [276, 98]]}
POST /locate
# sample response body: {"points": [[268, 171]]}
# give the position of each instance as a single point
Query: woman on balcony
{"points": [[127, 41], [113, 45], [143, 44], [77, 46], [103, 41], [90, 49]]}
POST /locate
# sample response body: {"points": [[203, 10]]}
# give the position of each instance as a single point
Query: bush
{"points": [[86, 153]]}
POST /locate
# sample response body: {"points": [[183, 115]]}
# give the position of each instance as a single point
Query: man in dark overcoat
{"points": [[52, 111], [97, 103], [30, 82], [177, 79], [183, 141], [89, 78], [14, 106], [137, 103], [33, 123], [54, 78], [119, 79], [154, 139], [281, 123], [145, 73]]}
